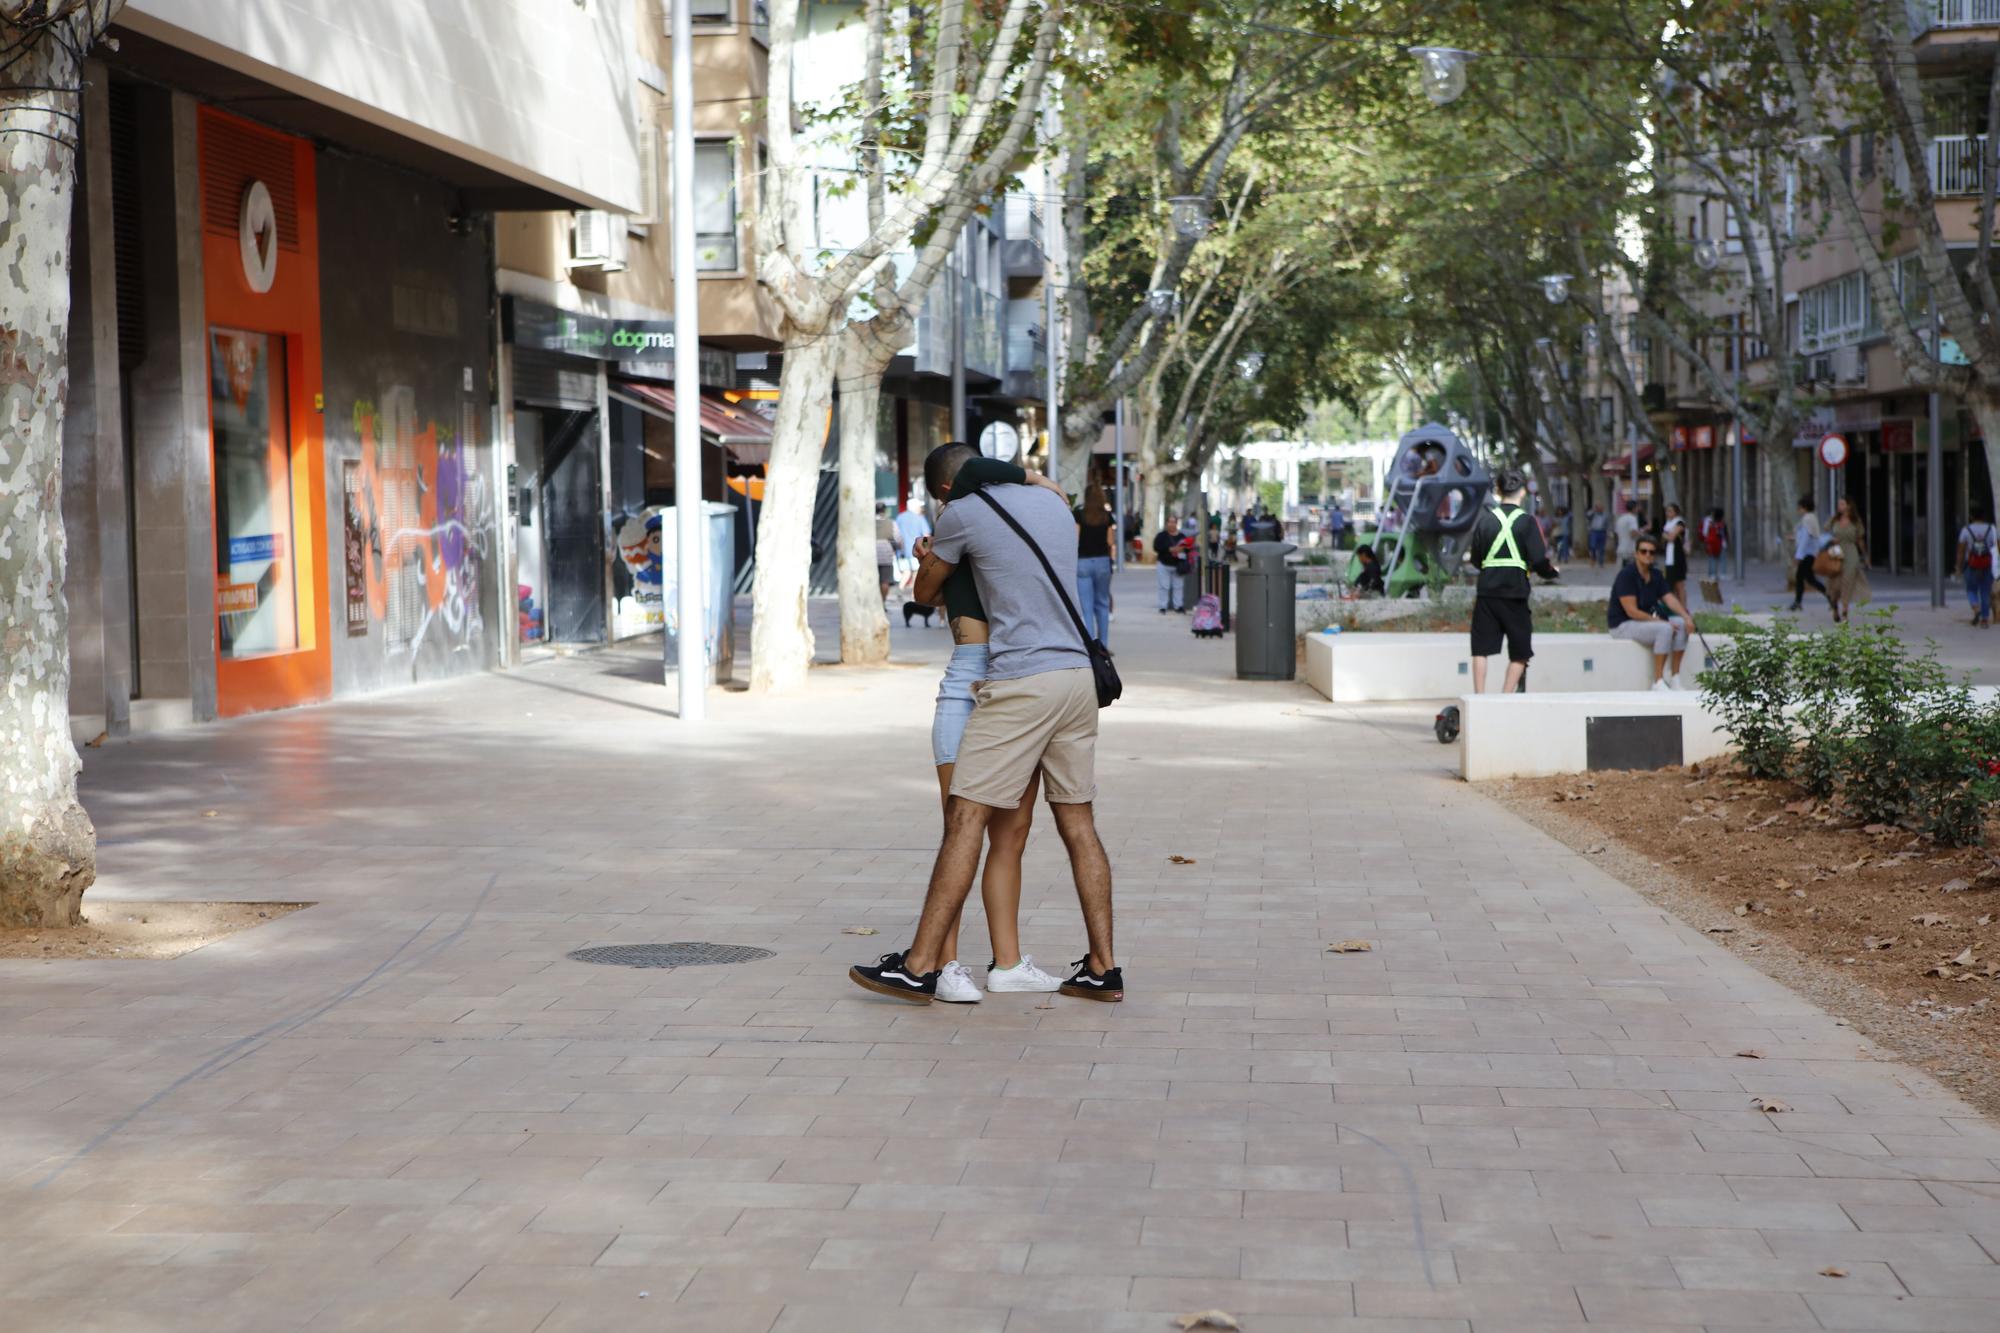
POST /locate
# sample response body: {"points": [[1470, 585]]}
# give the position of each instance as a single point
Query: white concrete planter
{"points": [[1370, 667]]}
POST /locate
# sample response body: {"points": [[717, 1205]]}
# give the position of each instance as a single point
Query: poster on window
{"points": [[354, 547]]}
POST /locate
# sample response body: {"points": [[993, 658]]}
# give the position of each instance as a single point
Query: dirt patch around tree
{"points": [[116, 929], [1879, 926]]}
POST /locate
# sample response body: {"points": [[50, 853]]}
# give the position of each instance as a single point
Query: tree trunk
{"points": [[781, 642], [864, 628], [1779, 487], [1986, 411], [48, 849]]}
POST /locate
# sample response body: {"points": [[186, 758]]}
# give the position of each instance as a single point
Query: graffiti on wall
{"points": [[425, 524]]}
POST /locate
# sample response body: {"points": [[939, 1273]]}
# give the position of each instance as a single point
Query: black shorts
{"points": [[1497, 619]]}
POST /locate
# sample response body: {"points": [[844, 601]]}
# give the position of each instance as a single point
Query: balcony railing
{"points": [[1955, 159], [1928, 14]]}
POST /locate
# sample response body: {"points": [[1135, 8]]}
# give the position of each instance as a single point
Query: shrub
{"points": [[1750, 688]]}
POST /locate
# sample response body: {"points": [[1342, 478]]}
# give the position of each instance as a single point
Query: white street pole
{"points": [[691, 525], [1054, 343]]}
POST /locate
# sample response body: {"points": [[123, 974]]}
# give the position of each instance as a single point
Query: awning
{"points": [[1623, 463], [745, 433]]}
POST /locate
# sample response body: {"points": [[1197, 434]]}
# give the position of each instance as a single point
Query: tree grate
{"points": [[670, 955]]}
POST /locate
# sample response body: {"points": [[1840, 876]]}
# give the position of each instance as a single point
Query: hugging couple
{"points": [[1017, 710]]}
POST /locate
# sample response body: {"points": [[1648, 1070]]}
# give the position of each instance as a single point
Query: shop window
{"points": [[715, 244], [256, 592]]}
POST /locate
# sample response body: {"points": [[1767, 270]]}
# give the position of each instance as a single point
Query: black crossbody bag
{"points": [[1109, 687]]}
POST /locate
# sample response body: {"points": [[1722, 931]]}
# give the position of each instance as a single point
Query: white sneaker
{"points": [[1024, 976], [954, 985], [1661, 685]]}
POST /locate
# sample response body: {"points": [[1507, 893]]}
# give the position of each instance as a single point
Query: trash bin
{"points": [[1267, 614], [718, 596]]}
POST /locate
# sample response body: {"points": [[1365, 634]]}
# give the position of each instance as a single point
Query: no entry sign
{"points": [[1833, 450]]}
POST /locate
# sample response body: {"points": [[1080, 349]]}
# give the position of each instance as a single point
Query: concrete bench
{"points": [[1370, 667], [1536, 735]]}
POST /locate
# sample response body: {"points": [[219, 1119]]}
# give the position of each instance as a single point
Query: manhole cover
{"points": [[670, 955]]}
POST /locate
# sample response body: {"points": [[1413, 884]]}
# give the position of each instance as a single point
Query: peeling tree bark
{"points": [[866, 349], [48, 849], [781, 642]]}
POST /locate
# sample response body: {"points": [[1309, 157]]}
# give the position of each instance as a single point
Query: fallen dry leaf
{"points": [[1870, 942], [1984, 921], [1965, 959], [210, 814], [1180, 860], [1800, 807], [1770, 1105], [1350, 946], [1781, 884], [1949, 886], [1833, 1270], [1750, 1055], [97, 742], [1929, 919], [858, 930], [1768, 821], [1877, 830], [1938, 970], [1208, 1319], [1743, 909]]}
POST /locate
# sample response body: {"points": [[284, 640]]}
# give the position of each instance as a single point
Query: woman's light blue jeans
{"points": [[1093, 595], [955, 700]]}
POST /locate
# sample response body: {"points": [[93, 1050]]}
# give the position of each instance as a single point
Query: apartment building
{"points": [[281, 475], [585, 360], [1843, 358]]}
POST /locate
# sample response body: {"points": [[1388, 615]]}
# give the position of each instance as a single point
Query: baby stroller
{"points": [[1207, 621]]}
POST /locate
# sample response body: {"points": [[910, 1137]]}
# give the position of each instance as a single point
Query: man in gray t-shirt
{"points": [[1037, 711], [1029, 629]]}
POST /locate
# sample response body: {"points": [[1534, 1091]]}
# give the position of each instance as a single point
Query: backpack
{"points": [[1207, 622], [1711, 536], [1979, 546]]}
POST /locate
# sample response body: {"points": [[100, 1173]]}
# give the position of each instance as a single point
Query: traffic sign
{"points": [[1833, 450], [1000, 440]]}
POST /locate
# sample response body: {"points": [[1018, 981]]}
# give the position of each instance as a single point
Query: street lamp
{"points": [[1555, 286], [1707, 254], [1190, 215], [1442, 69]]}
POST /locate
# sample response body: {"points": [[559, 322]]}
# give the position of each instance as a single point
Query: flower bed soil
{"points": [[1881, 927]]}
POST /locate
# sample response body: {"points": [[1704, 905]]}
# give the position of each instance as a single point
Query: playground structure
{"points": [[1431, 501]]}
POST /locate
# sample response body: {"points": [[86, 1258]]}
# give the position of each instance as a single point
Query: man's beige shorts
{"points": [[1048, 720]]}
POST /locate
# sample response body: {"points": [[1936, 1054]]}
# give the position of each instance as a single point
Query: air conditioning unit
{"points": [[1850, 366], [597, 240]]}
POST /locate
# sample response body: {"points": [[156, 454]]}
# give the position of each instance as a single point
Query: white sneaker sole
{"points": [[994, 987]]}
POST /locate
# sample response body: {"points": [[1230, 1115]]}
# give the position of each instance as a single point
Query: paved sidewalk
{"points": [[404, 1109]]}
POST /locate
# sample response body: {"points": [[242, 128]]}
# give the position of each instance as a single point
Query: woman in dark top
{"points": [[1093, 562], [1007, 831]]}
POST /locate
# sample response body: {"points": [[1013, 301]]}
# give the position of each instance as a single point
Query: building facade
{"points": [[280, 475]]}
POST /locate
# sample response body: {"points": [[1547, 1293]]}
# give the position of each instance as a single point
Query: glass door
{"points": [[256, 593]]}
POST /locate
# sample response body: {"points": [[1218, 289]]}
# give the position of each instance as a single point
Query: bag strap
{"points": [[1048, 568]]}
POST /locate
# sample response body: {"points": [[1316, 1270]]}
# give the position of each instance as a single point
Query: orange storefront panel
{"points": [[260, 263]]}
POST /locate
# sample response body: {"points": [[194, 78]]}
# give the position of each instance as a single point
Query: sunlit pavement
{"points": [[404, 1108]]}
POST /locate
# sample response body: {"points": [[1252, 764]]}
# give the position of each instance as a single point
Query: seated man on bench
{"points": [[1636, 596]]}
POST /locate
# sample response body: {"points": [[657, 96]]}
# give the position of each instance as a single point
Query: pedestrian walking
{"points": [[1806, 543], [1848, 588], [1167, 551], [1637, 594], [1563, 535], [1674, 552], [1007, 832], [1626, 529], [1036, 712], [1093, 562], [1506, 544], [1976, 544], [1597, 531], [885, 549], [1715, 540]]}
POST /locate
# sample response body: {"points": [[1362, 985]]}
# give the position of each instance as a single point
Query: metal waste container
{"points": [[1267, 614], [718, 592]]}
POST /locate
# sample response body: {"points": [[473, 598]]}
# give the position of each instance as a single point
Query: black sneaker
{"points": [[889, 977], [1088, 985]]}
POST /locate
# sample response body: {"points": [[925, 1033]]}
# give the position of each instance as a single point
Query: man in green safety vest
{"points": [[1506, 544]]}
